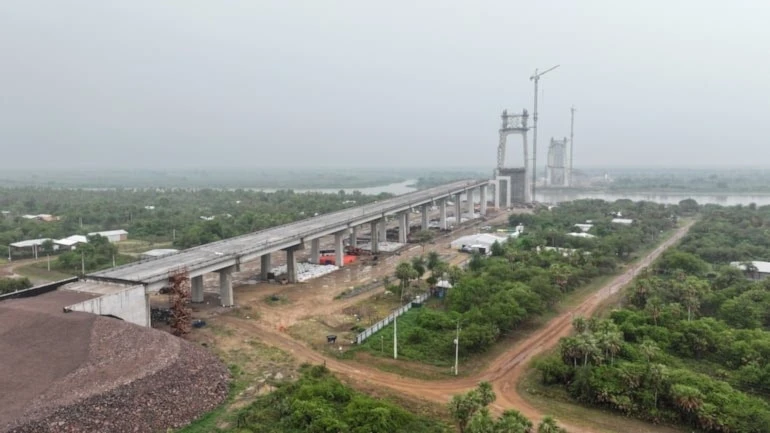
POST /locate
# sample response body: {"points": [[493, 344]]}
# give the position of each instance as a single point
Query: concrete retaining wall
{"points": [[129, 304], [37, 290]]}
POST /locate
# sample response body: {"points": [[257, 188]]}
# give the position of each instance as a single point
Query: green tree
{"points": [[549, 425]]}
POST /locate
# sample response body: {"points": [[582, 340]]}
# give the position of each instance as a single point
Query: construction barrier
{"points": [[386, 321]]}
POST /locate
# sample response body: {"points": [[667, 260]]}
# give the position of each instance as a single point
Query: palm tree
{"points": [[405, 272], [486, 394], [569, 350], [657, 375], [549, 425], [432, 260], [654, 307], [586, 344], [649, 349], [512, 421], [579, 324], [418, 264], [687, 398]]}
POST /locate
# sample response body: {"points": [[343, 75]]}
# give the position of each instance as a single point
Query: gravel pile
{"points": [[86, 373]]}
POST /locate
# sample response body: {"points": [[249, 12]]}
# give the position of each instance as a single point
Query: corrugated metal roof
{"points": [[29, 243], [109, 233], [762, 267]]}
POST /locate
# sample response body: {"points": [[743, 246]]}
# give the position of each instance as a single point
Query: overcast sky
{"points": [[183, 83]]}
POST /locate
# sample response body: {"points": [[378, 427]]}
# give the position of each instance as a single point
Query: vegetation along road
{"points": [[503, 372]]}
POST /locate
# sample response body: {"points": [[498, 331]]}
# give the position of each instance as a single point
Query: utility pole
{"points": [[49, 263], [571, 143], [395, 337], [9, 254], [82, 263], [457, 346], [536, 78]]}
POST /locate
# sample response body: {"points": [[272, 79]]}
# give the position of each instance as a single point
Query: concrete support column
{"points": [[353, 237], [496, 198], [483, 200], [383, 237], [458, 210], [226, 286], [265, 265], [442, 214], [406, 218], [403, 228], [424, 224], [469, 200], [148, 310], [373, 235], [291, 265], [339, 250], [510, 192], [315, 246], [197, 289]]}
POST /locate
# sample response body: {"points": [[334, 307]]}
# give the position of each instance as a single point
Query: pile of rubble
{"points": [[96, 374], [307, 271]]}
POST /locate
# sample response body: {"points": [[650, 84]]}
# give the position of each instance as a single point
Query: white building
{"points": [[71, 242], [760, 272], [481, 243], [581, 235], [584, 227], [112, 235], [624, 221]]}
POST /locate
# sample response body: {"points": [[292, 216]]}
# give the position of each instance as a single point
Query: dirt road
{"points": [[503, 372]]}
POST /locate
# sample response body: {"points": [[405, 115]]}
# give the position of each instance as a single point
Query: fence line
{"points": [[368, 332]]}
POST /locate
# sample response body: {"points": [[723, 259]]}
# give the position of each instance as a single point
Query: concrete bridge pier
{"points": [[483, 200], [315, 247], [469, 200], [265, 265], [354, 237], [373, 235], [383, 236], [403, 227], [197, 289], [424, 217], [226, 286], [339, 250], [458, 210], [442, 213], [496, 196], [291, 265]]}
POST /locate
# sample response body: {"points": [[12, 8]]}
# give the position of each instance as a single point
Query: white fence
{"points": [[386, 321]]}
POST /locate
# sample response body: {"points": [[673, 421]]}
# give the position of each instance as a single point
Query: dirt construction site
{"points": [[83, 373]]}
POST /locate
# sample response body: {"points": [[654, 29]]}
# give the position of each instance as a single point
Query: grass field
{"points": [[38, 273]]}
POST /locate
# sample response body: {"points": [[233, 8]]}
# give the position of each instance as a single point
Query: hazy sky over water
{"points": [[183, 83]]}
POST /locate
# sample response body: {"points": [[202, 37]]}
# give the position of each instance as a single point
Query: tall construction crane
{"points": [[536, 78]]}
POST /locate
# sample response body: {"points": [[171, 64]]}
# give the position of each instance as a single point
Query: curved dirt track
{"points": [[503, 372]]}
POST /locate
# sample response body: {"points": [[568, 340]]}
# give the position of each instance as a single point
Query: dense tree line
{"points": [[8, 285], [317, 402], [173, 211], [523, 279], [692, 344]]}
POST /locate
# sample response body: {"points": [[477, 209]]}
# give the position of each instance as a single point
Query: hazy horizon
{"points": [[201, 85]]}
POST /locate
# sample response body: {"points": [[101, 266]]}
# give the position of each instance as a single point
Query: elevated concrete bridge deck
{"points": [[228, 254]]}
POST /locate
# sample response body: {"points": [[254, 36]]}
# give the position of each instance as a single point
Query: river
{"points": [[667, 198]]}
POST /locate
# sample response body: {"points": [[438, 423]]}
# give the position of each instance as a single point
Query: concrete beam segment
{"points": [[339, 250], [442, 213], [265, 265], [197, 289], [383, 225], [373, 235], [291, 265], [315, 247], [483, 200], [353, 237], [424, 221], [226, 286], [402, 227]]}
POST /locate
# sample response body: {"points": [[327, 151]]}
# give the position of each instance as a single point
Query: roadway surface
{"points": [[246, 247]]}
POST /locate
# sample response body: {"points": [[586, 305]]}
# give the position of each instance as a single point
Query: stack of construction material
{"points": [[78, 372], [384, 247], [307, 271]]}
